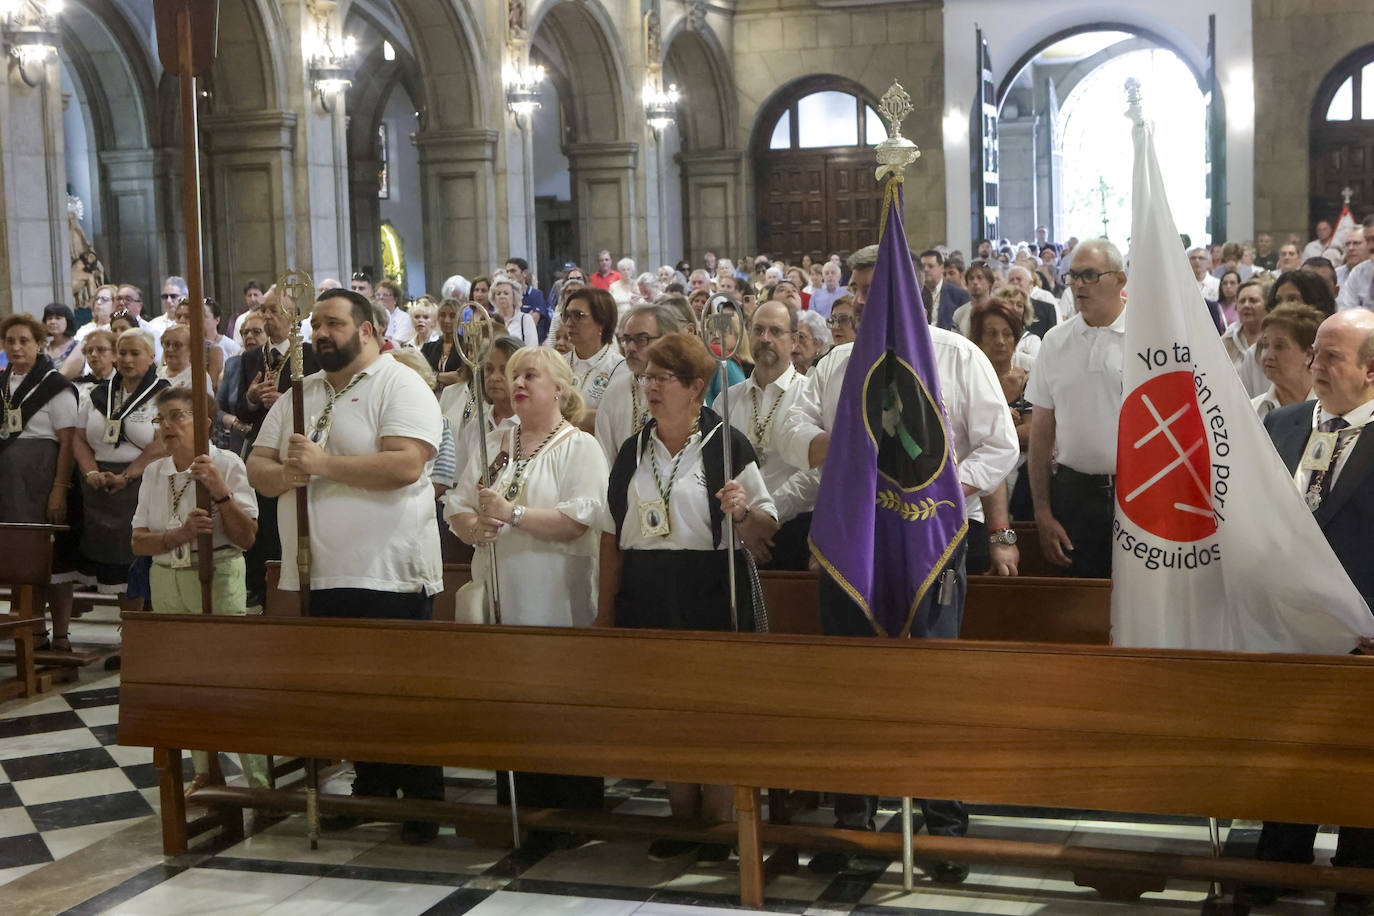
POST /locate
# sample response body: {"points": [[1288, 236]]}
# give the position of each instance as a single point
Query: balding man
{"points": [[1044, 305], [1208, 285], [1322, 443], [1075, 391], [1357, 288]]}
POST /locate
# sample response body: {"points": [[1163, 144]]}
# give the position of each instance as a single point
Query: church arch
{"points": [[1342, 136]]}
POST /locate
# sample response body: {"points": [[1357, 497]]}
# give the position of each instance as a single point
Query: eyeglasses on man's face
{"points": [[638, 340], [1089, 276]]}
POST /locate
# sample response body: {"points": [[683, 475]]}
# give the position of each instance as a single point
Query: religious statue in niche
{"points": [[653, 39], [515, 21], [393, 254], [87, 271]]}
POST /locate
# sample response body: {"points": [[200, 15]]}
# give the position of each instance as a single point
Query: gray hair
{"points": [[455, 287], [144, 339], [626, 266], [1108, 250], [864, 258], [179, 283], [814, 323], [667, 317]]}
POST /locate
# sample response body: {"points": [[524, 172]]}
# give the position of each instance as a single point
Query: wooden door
{"points": [[1342, 139], [817, 203]]}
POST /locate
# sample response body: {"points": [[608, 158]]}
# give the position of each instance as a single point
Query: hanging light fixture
{"points": [[30, 33], [522, 83], [330, 62], [660, 106]]}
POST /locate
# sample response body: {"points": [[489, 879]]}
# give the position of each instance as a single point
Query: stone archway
{"points": [[113, 84], [1342, 142], [712, 208]]}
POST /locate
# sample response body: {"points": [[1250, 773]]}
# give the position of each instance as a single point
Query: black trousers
{"points": [[266, 547], [1085, 504], [790, 548], [1284, 842], [840, 616], [383, 779]]}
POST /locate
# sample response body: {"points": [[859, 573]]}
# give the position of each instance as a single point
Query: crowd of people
{"points": [[600, 412]]}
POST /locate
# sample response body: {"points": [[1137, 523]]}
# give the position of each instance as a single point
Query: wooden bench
{"points": [[27, 553], [1024, 609], [1163, 732]]}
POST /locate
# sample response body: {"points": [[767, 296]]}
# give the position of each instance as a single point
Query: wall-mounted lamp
{"points": [[660, 106], [330, 63], [522, 88], [30, 33]]}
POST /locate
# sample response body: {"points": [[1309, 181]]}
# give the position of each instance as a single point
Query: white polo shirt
{"points": [[382, 540], [58, 414], [793, 491], [592, 376], [1078, 376], [980, 424], [623, 412], [1357, 290]]}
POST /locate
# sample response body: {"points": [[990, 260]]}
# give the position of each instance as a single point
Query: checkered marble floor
{"points": [[77, 811]]}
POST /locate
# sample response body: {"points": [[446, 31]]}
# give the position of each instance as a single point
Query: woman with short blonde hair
{"points": [[423, 315]]}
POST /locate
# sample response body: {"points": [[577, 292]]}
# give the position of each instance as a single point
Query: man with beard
{"points": [[264, 375], [373, 426], [758, 407]]}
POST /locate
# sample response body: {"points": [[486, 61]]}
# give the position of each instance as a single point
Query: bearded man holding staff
{"points": [[373, 426]]}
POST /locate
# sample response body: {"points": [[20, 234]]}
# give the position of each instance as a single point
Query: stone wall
{"points": [[1296, 42], [778, 41]]}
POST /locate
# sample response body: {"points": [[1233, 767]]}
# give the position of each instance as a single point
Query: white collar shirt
{"points": [[592, 376], [980, 424], [754, 408], [58, 414], [622, 413], [1078, 376], [689, 510], [381, 540], [1358, 419], [161, 481], [822, 299], [398, 327], [1357, 292], [1245, 357], [1268, 402]]}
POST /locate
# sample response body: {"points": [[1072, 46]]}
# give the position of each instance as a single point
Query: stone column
{"points": [[458, 194], [250, 225], [35, 252], [713, 191], [138, 213], [366, 212], [605, 191]]}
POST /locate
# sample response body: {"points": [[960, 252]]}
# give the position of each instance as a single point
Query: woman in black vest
{"points": [[38, 417], [663, 564]]}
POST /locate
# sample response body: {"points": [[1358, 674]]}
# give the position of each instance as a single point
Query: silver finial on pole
{"points": [[1133, 109], [896, 152]]}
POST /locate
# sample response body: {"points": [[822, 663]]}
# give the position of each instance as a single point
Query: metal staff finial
{"points": [[896, 152], [477, 334], [293, 287], [1133, 109]]}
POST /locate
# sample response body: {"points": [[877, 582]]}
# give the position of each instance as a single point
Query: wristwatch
{"points": [[1003, 535], [517, 516]]}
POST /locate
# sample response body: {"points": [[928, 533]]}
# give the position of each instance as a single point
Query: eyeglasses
{"points": [[90, 350], [173, 296], [173, 417], [659, 378], [1089, 277], [638, 340], [840, 321], [575, 279], [776, 333], [125, 297], [572, 316]]}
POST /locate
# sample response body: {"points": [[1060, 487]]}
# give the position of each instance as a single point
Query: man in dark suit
{"points": [[263, 378], [941, 298], [1330, 431]]}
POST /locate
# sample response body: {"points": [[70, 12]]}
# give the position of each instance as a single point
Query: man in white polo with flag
{"points": [[1214, 545]]}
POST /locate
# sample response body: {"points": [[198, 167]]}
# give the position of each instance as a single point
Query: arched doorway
{"points": [[1065, 156], [813, 164], [1342, 153]]}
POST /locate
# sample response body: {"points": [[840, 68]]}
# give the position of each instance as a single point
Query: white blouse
{"points": [[592, 376], [689, 516], [138, 429], [544, 583], [58, 414], [161, 481]]}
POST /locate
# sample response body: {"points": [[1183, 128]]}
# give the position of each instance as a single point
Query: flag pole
{"points": [[908, 858], [722, 322]]}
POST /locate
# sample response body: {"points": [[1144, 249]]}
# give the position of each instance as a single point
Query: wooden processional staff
{"points": [[186, 37]]}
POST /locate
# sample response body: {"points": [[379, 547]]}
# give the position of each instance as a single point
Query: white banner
{"points": [[1213, 546]]}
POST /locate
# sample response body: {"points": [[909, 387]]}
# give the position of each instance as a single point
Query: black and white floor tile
{"points": [[68, 792]]}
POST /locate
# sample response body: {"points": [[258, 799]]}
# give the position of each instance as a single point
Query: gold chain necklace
{"points": [[517, 481]]}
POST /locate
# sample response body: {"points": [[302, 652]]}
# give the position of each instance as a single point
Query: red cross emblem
{"points": [[1163, 463]]}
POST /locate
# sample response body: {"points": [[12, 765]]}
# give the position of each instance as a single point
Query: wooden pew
{"points": [[1176, 733], [27, 565], [1023, 609]]}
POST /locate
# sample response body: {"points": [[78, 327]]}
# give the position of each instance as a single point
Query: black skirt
{"points": [[681, 590]]}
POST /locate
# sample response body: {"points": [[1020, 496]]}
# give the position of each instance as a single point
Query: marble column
{"points": [[605, 192], [716, 217]]}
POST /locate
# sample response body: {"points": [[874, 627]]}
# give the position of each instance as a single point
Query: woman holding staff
{"points": [[664, 526]]}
